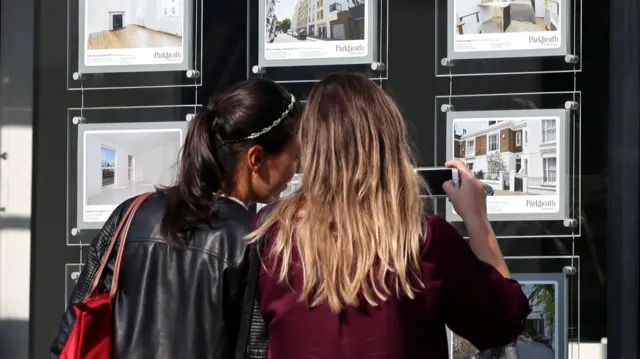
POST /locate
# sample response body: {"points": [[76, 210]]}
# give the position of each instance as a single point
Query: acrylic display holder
{"points": [[566, 221], [71, 275], [186, 74], [88, 142], [448, 62], [552, 285], [304, 70]]}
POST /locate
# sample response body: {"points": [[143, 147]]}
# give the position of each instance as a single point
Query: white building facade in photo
{"points": [[519, 155], [324, 20], [270, 20], [300, 16]]}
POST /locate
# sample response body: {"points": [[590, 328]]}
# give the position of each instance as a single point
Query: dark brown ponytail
{"points": [[213, 146]]}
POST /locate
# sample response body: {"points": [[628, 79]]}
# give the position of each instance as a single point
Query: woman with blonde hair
{"points": [[352, 268]]}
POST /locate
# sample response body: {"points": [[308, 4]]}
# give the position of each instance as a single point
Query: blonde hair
{"points": [[356, 221]]}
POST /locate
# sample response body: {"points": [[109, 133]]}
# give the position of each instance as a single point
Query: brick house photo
{"points": [[513, 157]]}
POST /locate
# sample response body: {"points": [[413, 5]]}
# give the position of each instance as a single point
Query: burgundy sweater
{"points": [[462, 292]]}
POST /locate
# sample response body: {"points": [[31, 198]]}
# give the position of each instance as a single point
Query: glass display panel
{"points": [[475, 37], [71, 275], [357, 31], [134, 44], [115, 154], [554, 296], [511, 149]]}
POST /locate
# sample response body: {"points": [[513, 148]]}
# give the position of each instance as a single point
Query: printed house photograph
{"points": [[516, 157], [512, 16], [539, 339], [289, 21], [293, 186], [121, 164], [133, 24]]}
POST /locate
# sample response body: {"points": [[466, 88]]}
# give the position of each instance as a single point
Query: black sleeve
{"points": [[234, 285], [83, 285]]}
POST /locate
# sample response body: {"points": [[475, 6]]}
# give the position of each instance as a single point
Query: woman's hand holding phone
{"points": [[468, 198], [470, 202]]}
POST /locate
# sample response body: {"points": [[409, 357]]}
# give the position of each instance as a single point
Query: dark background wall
{"points": [[411, 81]]}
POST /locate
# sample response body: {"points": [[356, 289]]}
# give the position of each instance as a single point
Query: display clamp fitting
{"points": [[74, 275], [78, 76], [75, 232], [76, 120], [4, 156], [447, 62], [378, 66], [190, 117], [571, 59], [447, 108], [258, 70], [570, 222], [571, 105], [569, 270], [193, 74]]}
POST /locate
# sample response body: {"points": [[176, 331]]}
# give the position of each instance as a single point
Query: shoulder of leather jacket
{"points": [[223, 237]]}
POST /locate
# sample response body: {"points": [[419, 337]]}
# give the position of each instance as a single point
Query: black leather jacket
{"points": [[173, 304]]}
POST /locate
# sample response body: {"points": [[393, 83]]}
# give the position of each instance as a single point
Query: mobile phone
{"points": [[435, 177]]}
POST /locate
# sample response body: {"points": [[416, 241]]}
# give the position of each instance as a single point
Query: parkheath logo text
{"points": [[350, 48], [541, 204], [544, 40], [167, 55]]}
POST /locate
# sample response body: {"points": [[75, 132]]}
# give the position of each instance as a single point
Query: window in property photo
{"points": [[170, 8], [518, 139], [548, 131], [470, 166], [319, 3], [493, 142], [142, 8], [108, 166], [471, 147], [549, 170], [131, 163], [320, 15], [526, 137], [335, 7]]}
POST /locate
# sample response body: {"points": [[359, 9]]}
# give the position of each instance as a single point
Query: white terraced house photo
{"points": [[121, 164], [507, 16], [133, 24], [512, 157]]}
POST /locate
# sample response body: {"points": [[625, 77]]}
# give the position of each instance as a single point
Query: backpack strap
{"points": [[250, 314], [121, 232]]}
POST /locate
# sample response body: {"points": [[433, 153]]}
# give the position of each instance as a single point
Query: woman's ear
{"points": [[255, 157]]}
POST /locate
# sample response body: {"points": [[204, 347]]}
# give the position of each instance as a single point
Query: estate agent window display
{"points": [[113, 43], [304, 40]]}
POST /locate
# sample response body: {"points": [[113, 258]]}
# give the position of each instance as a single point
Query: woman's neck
{"points": [[246, 199]]}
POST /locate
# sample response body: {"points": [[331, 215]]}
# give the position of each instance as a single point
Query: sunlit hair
{"points": [[357, 220]]}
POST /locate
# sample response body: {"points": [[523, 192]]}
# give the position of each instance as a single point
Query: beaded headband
{"points": [[266, 129]]}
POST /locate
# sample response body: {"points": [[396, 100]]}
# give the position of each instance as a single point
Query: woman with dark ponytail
{"points": [[184, 266]]}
